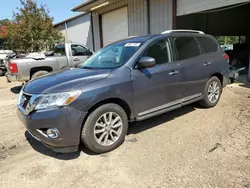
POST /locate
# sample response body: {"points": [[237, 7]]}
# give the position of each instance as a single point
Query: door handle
{"points": [[207, 63], [76, 59], [174, 72]]}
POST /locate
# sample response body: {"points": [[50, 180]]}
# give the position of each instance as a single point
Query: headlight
{"points": [[56, 100]]}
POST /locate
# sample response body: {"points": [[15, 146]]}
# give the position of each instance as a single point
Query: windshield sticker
{"points": [[132, 44]]}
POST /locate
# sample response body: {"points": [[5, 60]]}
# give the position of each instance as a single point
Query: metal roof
{"points": [[86, 6]]}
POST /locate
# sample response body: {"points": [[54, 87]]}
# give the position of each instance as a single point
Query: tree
{"points": [[225, 40], [3, 29], [4, 22], [31, 28]]}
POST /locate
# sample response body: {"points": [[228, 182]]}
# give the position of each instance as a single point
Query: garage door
{"points": [[191, 6], [115, 25]]}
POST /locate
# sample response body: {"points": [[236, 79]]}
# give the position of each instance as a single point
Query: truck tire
{"points": [[212, 93], [2, 73], [105, 128], [38, 74]]}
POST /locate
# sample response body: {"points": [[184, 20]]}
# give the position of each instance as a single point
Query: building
{"points": [[116, 19], [77, 29]]}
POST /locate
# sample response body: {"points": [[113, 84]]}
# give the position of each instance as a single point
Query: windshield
{"points": [[112, 56]]}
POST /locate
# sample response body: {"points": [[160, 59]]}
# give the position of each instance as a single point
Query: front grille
{"points": [[25, 100]]}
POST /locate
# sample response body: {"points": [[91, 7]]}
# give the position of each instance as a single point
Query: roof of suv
{"points": [[144, 38]]}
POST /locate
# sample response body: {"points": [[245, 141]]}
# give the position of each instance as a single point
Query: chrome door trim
{"points": [[170, 104]]}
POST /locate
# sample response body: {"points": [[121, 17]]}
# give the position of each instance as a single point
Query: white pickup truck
{"points": [[68, 55], [3, 55]]}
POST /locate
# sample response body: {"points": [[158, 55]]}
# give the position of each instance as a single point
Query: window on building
{"points": [[160, 51], [186, 47], [208, 44]]}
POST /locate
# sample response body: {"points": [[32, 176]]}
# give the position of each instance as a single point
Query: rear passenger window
{"points": [[160, 51], [208, 44], [186, 47]]}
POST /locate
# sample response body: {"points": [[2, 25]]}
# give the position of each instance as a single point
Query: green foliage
{"points": [[31, 29], [4, 22], [229, 40]]}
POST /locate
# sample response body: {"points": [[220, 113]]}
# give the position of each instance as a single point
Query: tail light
{"points": [[13, 67], [226, 57]]}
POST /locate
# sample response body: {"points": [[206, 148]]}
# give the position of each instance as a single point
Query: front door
{"points": [[158, 87], [79, 54]]}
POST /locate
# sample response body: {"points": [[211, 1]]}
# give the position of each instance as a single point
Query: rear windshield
{"points": [[60, 50], [114, 55]]}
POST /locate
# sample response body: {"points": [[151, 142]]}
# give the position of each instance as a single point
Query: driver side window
{"points": [[78, 50], [160, 51]]}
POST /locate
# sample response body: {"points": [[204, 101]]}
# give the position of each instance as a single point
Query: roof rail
{"points": [[188, 31]]}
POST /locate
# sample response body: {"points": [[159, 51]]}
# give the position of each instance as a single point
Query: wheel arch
{"points": [[41, 68], [219, 76], [122, 103]]}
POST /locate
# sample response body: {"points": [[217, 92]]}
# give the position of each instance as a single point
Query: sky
{"points": [[59, 9]]}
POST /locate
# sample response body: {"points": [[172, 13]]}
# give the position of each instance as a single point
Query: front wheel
{"points": [[39, 74], [105, 128], [212, 93]]}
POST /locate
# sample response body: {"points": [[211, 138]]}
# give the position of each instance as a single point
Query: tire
{"points": [[208, 102], [90, 138], [2, 73], [232, 80], [39, 74]]}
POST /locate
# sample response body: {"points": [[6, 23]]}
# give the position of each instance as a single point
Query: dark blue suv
{"points": [[129, 80]]}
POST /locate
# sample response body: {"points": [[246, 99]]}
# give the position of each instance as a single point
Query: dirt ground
{"points": [[189, 147]]}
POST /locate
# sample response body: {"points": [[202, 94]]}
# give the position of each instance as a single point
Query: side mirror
{"points": [[145, 62]]}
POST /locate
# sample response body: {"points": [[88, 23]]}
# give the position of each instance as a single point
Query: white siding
{"points": [[78, 30], [161, 16], [96, 31], [137, 15], [115, 25], [192, 6]]}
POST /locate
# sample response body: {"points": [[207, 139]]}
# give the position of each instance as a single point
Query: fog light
{"points": [[53, 133]]}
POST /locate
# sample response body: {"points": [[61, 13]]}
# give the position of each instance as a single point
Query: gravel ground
{"points": [[189, 147]]}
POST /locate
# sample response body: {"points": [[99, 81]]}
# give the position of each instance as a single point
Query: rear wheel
{"points": [[105, 128], [212, 93], [2, 73], [38, 74]]}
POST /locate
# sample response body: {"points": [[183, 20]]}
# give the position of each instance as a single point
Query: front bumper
{"points": [[68, 121]]}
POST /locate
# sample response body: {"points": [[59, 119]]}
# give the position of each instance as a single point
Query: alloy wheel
{"points": [[213, 92], [108, 129]]}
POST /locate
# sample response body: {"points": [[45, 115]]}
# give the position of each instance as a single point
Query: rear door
{"points": [[158, 87], [192, 61], [211, 48], [79, 54]]}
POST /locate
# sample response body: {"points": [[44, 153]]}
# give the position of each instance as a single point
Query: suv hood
{"points": [[66, 80]]}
